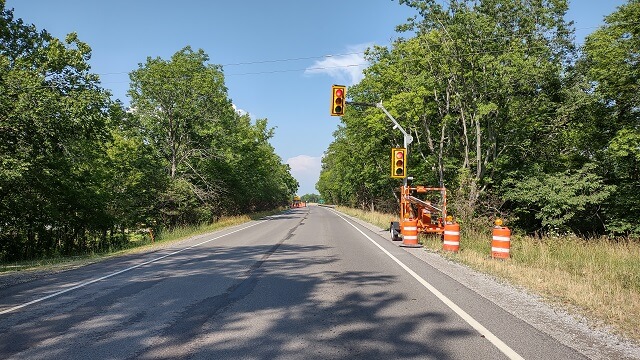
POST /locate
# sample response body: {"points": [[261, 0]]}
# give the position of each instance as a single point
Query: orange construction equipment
{"points": [[423, 210], [427, 217], [410, 233], [297, 202], [501, 242], [451, 237]]}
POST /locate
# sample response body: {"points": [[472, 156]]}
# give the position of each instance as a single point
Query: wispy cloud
{"points": [[343, 68]]}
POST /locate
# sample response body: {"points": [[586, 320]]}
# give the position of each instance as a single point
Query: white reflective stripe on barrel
{"points": [[454, 243], [501, 238], [448, 232], [500, 250], [410, 228]]}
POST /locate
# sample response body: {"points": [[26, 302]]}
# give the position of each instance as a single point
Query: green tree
{"points": [[611, 80], [53, 123], [562, 202], [218, 162], [185, 113], [478, 85]]}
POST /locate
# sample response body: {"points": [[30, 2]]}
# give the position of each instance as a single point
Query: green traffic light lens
{"points": [[337, 109], [398, 171]]}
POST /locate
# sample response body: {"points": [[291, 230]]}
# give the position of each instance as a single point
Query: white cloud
{"points": [[306, 169], [240, 111], [344, 68]]}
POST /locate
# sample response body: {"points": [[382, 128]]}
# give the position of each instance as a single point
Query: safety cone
{"points": [[451, 237], [410, 233], [501, 241]]}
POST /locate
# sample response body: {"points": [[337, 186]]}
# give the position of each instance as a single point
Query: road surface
{"points": [[309, 283]]}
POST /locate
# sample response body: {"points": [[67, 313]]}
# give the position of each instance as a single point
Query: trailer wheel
{"points": [[394, 230]]}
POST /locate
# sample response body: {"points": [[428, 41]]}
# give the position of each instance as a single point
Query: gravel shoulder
{"points": [[566, 326]]}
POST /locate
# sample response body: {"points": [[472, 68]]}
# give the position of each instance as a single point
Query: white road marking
{"points": [[120, 272], [504, 348]]}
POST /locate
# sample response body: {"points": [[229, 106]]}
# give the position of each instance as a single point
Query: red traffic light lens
{"points": [[339, 92], [399, 155]]}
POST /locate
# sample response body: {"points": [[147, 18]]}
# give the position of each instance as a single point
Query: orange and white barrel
{"points": [[501, 242], [451, 237], [410, 233]]}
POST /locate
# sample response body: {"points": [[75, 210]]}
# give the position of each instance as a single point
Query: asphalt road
{"points": [[307, 284]]}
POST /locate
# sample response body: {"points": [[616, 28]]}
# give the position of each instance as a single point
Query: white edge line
{"points": [[120, 272], [504, 348]]}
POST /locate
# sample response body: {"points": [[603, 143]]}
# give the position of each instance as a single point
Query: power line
{"points": [[271, 61]]}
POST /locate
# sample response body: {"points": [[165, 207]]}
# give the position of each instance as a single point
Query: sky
{"points": [[279, 57]]}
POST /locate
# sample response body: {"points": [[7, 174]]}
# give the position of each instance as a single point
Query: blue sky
{"points": [[274, 52]]}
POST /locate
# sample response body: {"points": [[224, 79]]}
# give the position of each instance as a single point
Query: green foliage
{"points": [[567, 201], [80, 175], [610, 68], [53, 124], [504, 114], [310, 198]]}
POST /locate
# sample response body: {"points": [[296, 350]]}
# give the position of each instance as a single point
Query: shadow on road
{"points": [[243, 302]]}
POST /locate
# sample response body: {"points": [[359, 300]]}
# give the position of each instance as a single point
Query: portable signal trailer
{"points": [[429, 218]]}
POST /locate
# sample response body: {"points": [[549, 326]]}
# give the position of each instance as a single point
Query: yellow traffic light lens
{"points": [[399, 163], [339, 101]]}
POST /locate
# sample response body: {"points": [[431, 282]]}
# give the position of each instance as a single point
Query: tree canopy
{"points": [[79, 172], [505, 111]]}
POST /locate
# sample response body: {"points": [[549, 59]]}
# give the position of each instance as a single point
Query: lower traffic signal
{"points": [[399, 163]]}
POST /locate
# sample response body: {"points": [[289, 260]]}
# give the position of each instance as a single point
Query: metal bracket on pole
{"points": [[408, 139]]}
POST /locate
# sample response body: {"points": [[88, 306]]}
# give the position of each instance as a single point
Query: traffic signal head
{"points": [[398, 163], [338, 99]]}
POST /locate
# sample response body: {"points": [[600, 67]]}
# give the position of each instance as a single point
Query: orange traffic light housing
{"points": [[338, 99], [398, 163]]}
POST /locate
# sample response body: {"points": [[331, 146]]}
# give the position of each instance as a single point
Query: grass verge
{"points": [[597, 278], [136, 244]]}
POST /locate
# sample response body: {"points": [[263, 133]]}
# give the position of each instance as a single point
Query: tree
{"points": [[185, 113], [478, 86], [218, 162], [53, 122], [609, 76]]}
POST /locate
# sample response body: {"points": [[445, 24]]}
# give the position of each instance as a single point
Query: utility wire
{"points": [[271, 61]]}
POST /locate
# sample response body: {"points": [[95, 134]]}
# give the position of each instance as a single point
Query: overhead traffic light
{"points": [[338, 99], [398, 163]]}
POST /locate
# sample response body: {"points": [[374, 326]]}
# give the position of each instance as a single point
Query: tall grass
{"points": [[598, 278]]}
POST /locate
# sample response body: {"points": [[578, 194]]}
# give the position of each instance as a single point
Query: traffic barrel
{"points": [[451, 237], [501, 242], [410, 233]]}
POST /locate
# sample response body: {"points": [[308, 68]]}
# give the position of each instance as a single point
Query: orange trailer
{"points": [[430, 218]]}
